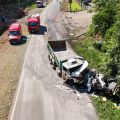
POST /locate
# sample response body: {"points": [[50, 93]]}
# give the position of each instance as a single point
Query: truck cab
{"points": [[67, 63], [33, 23], [14, 33], [73, 67]]}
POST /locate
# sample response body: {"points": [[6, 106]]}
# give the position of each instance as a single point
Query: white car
{"points": [[39, 4]]}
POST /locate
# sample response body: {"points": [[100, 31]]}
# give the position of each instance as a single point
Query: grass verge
{"points": [[106, 110], [88, 48]]}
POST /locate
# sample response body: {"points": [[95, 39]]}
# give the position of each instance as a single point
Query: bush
{"points": [[98, 45], [95, 58], [74, 6], [105, 17]]}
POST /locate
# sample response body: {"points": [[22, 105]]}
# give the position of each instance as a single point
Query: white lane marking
{"points": [[19, 87]]}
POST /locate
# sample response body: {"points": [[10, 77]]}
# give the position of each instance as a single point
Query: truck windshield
{"points": [[74, 69], [32, 24], [38, 2], [14, 33]]}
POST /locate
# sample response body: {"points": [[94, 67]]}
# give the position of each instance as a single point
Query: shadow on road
{"points": [[22, 41], [81, 88], [43, 29]]}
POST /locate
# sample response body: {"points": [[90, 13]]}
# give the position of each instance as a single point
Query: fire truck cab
{"points": [[33, 23], [15, 33]]}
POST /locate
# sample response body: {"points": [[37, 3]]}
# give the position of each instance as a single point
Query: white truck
{"points": [[67, 63]]}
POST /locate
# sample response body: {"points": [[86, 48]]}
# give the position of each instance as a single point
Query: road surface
{"points": [[40, 94]]}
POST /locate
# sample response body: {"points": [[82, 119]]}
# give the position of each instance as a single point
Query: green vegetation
{"points": [[106, 23], [101, 47], [31, 5], [104, 51], [106, 110], [74, 6], [89, 49]]}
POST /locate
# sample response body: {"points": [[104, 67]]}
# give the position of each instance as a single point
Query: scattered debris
{"points": [[117, 106], [104, 99]]}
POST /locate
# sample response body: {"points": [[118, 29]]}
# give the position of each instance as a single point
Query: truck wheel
{"points": [[70, 82], [30, 32], [10, 42], [64, 76], [59, 74], [49, 57], [54, 67]]}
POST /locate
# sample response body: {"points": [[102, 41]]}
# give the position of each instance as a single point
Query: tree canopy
{"points": [[106, 23]]}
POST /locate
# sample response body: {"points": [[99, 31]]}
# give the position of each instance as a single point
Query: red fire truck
{"points": [[33, 23], [15, 33]]}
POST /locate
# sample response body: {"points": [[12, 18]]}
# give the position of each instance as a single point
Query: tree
{"points": [[107, 24]]}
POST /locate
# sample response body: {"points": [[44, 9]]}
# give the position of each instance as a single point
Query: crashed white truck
{"points": [[64, 60], [74, 69]]}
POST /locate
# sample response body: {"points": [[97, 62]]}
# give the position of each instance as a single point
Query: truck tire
{"points": [[54, 66], [30, 32], [70, 82], [58, 72], [49, 57], [64, 76], [10, 42]]}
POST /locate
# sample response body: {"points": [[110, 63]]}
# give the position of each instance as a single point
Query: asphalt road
{"points": [[40, 94]]}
